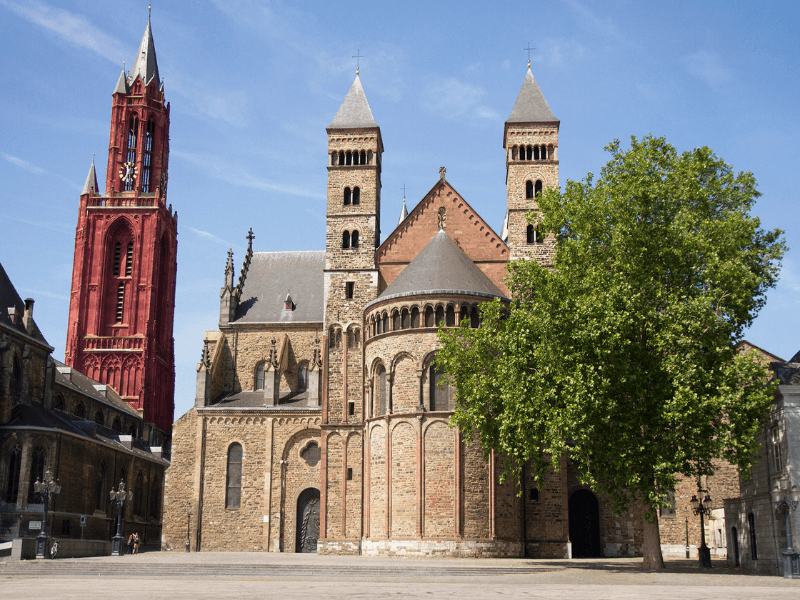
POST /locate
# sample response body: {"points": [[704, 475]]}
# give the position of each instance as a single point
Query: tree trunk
{"points": [[651, 545]]}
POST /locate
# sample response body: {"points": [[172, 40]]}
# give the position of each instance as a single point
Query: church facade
{"points": [[320, 423]]}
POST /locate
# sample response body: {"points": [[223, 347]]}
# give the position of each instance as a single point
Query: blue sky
{"points": [[253, 84]]}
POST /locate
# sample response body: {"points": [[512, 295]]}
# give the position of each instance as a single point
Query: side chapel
{"points": [[319, 424]]}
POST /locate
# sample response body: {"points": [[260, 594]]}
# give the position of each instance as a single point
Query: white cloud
{"points": [[24, 164], [604, 26], [228, 106], [236, 175], [41, 224], [709, 67], [72, 28], [454, 99], [209, 236]]}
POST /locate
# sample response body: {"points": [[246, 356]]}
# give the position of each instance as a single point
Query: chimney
{"points": [[27, 320]]}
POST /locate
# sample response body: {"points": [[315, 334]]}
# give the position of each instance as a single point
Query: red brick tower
{"points": [[123, 276]]}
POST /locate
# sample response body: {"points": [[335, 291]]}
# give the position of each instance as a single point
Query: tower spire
{"points": [[145, 64]]}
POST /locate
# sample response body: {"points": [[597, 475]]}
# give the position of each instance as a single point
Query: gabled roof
{"points": [[441, 267], [273, 275], [531, 107], [145, 64], [71, 379], [91, 182], [354, 113], [10, 298]]}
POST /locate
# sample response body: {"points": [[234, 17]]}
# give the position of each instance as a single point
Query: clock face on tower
{"points": [[127, 172]]}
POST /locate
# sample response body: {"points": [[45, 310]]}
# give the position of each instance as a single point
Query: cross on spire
{"points": [[250, 237], [404, 189], [358, 56], [528, 49], [442, 171]]}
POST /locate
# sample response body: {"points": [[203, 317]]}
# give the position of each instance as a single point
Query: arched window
{"points": [[536, 153], [345, 239], [464, 314], [751, 522], [385, 322], [38, 457], [147, 157], [116, 425], [363, 160], [347, 196], [14, 462], [544, 152], [233, 488], [59, 403], [98, 417], [138, 495], [530, 152], [474, 318], [451, 316], [356, 195], [405, 319], [429, 317], [348, 158], [302, 377], [439, 316], [528, 189], [133, 132], [16, 380], [132, 430], [354, 239], [441, 395], [414, 317], [341, 158], [260, 376], [382, 390], [80, 411], [100, 487], [396, 321], [538, 188]]}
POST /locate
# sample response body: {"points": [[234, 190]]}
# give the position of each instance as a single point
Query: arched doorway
{"points": [[735, 538], [584, 524], [307, 521]]}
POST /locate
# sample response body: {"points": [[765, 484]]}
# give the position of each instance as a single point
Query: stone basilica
{"points": [[319, 422]]}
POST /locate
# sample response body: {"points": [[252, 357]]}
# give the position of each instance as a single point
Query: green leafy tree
{"points": [[623, 355]]}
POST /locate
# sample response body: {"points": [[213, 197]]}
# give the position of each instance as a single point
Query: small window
{"points": [[356, 195], [668, 511], [776, 449], [351, 408], [100, 487], [260, 376], [59, 403], [349, 289], [751, 522], [233, 489], [345, 239], [80, 412], [311, 454], [536, 153], [528, 189], [98, 418], [302, 377], [440, 394], [38, 459], [363, 160], [349, 474], [538, 187], [414, 318], [116, 425], [382, 391], [347, 196], [534, 495], [354, 239]]}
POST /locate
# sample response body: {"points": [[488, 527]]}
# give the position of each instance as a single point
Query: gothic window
{"points": [[538, 188], [100, 487], [776, 449], [414, 318], [382, 391], [346, 240], [233, 489], [129, 260], [16, 380], [98, 417], [347, 196], [59, 403], [138, 495], [311, 454], [132, 430], [260, 376], [528, 189], [356, 195], [354, 239], [14, 463], [116, 425], [80, 412], [116, 259], [440, 394], [302, 378], [147, 158], [133, 130], [668, 511], [349, 289], [751, 522]]}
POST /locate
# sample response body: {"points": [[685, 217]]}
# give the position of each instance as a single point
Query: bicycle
{"points": [[54, 548]]}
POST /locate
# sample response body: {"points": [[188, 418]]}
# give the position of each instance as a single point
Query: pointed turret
{"points": [[404, 212], [354, 113], [91, 182], [122, 84], [531, 107], [145, 65]]}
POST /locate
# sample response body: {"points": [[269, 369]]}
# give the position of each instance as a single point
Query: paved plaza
{"points": [[177, 575]]}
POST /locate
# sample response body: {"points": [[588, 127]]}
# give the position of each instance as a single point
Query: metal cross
{"points": [[250, 237], [529, 53], [358, 56], [404, 188]]}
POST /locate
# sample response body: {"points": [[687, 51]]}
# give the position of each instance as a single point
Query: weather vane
{"points": [[358, 56], [529, 53]]}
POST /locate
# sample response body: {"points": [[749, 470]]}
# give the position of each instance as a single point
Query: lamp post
{"points": [[703, 508], [786, 496], [47, 488], [119, 497]]}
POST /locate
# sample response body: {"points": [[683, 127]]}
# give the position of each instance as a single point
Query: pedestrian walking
{"points": [[136, 542], [130, 544]]}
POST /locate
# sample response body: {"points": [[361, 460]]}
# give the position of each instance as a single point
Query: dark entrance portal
{"points": [[584, 525], [307, 521]]}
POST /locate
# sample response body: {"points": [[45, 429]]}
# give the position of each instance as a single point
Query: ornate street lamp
{"points": [[46, 489], [786, 496], [119, 497], [703, 508]]}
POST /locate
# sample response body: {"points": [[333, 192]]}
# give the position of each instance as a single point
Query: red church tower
{"points": [[123, 276]]}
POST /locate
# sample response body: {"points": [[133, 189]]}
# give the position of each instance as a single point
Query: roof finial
{"points": [[92, 158], [529, 53], [442, 171], [358, 56], [250, 237], [149, 9], [404, 210]]}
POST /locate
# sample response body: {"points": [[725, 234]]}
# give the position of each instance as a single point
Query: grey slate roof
{"points": [[531, 107], [788, 373], [91, 182], [271, 276], [441, 267], [255, 400], [85, 384], [8, 298], [122, 85], [145, 63], [354, 113]]}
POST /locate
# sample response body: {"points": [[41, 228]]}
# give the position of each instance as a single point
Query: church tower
{"points": [[123, 277], [351, 281], [530, 140]]}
